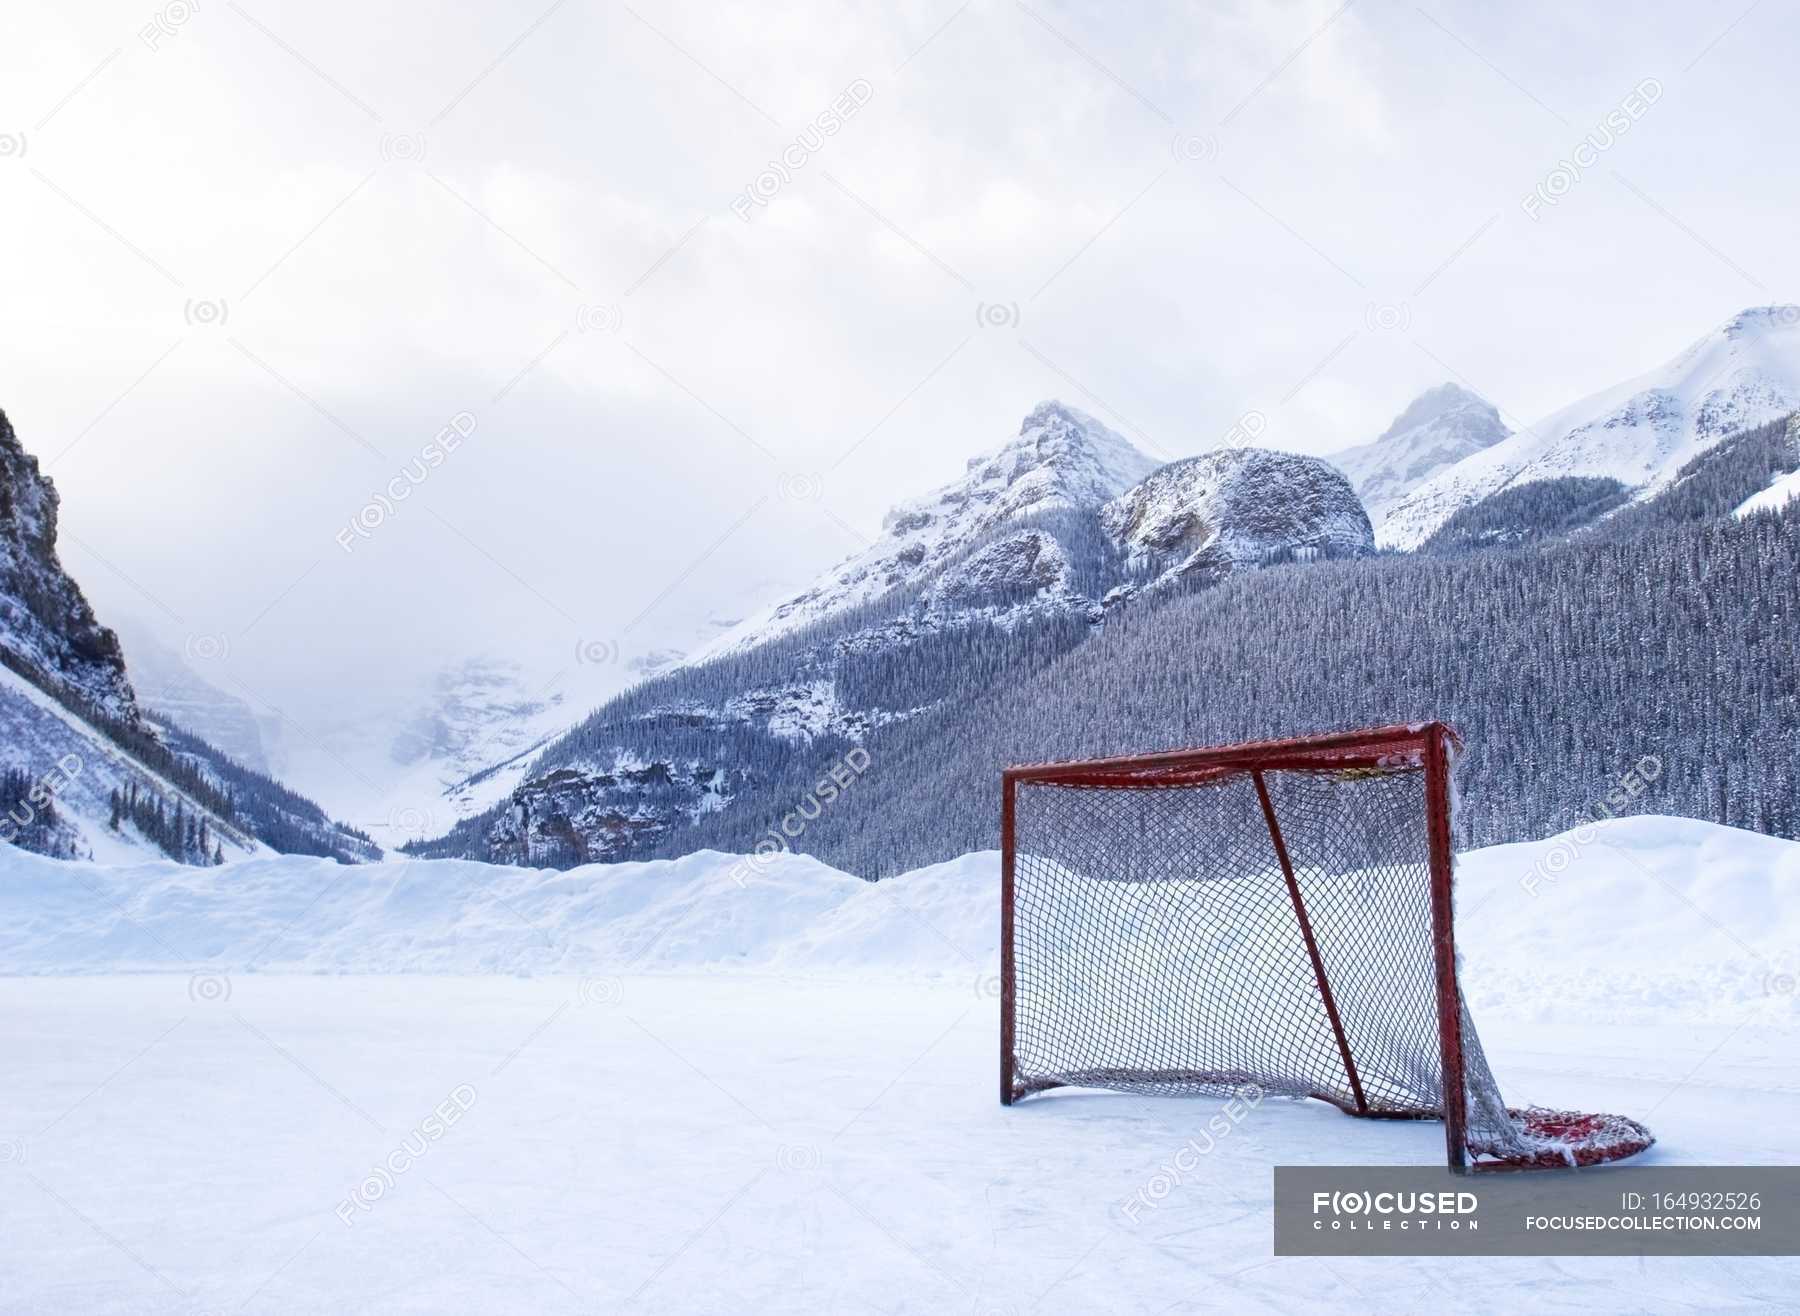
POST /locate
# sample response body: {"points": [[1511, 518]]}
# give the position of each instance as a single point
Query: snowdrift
{"points": [[295, 914], [1645, 918]]}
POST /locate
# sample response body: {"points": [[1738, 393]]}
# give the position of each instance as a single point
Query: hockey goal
{"points": [[1276, 914]]}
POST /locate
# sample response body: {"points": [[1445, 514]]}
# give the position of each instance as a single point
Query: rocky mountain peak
{"points": [[1237, 507], [1089, 461], [1755, 321], [1438, 429], [1744, 373], [1061, 459], [1435, 404]]}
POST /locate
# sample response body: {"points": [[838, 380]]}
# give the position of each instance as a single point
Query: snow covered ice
{"points": [[696, 1086]]}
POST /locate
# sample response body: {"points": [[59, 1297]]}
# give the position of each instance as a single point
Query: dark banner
{"points": [[1636, 1211]]}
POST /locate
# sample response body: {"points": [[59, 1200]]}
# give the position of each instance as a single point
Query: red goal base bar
{"points": [[1542, 1138]]}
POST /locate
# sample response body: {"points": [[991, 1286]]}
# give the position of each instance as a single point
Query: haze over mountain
{"points": [[1439, 428], [1061, 459], [981, 581], [86, 770]]}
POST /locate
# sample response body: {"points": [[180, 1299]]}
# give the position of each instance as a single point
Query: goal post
{"points": [[1278, 914]]}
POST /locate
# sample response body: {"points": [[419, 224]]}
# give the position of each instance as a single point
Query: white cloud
{"points": [[570, 206]]}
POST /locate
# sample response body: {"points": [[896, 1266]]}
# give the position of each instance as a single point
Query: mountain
{"points": [[1739, 476], [1783, 486], [1439, 428], [1640, 433], [172, 691], [48, 632], [1062, 459], [476, 712], [85, 770], [1206, 517], [467, 741], [1665, 645], [969, 588]]}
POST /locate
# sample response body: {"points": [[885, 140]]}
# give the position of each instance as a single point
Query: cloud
{"points": [[257, 262]]}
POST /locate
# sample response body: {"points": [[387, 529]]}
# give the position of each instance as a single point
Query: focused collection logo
{"points": [[1357, 1211]]}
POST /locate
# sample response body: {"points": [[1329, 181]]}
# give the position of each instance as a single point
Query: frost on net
{"points": [[1263, 916]]}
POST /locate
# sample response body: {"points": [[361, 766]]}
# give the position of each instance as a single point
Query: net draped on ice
{"points": [[1275, 914]]}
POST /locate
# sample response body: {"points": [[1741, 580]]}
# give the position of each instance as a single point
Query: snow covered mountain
{"points": [[1061, 459], [1205, 517], [1439, 428], [404, 761], [172, 690], [1640, 432], [467, 742], [477, 712], [1784, 488], [85, 770], [988, 578], [48, 632]]}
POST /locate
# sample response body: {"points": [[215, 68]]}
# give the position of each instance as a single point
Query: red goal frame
{"points": [[1428, 746]]}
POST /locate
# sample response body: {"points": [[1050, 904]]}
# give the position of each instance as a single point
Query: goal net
{"points": [[1276, 914]]}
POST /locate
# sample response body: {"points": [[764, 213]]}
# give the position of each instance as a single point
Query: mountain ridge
{"points": [[985, 578], [1061, 458], [88, 771], [1640, 432], [1436, 430]]}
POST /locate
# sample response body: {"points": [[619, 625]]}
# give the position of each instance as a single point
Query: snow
{"points": [[36, 733], [1438, 428], [1641, 432], [1782, 491], [705, 1085], [1061, 458], [295, 914], [403, 766], [1234, 507]]}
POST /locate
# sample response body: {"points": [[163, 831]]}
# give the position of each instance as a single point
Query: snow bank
{"points": [[1638, 919], [1634, 920], [295, 914]]}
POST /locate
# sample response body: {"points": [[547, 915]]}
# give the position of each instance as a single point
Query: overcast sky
{"points": [[258, 253]]}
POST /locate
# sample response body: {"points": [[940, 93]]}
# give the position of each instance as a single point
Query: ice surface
{"points": [[779, 1094]]}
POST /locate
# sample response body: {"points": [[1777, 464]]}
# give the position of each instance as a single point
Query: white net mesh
{"points": [[1161, 945]]}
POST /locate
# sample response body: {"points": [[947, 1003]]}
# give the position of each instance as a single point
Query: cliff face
{"points": [[85, 771], [48, 632], [1224, 511]]}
